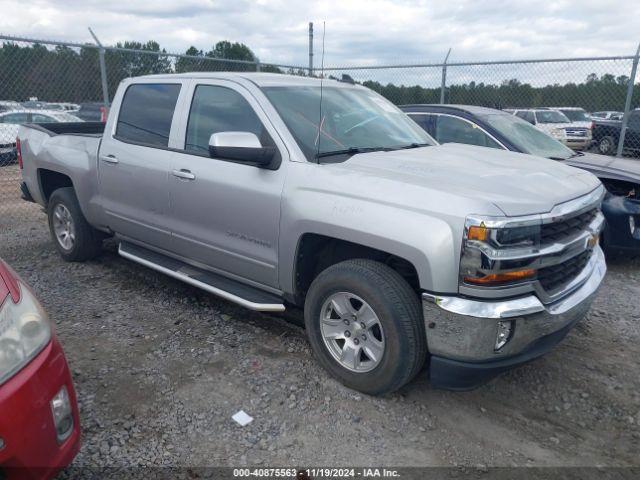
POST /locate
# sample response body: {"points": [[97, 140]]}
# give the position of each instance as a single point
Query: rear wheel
{"points": [[365, 326], [607, 145], [75, 239]]}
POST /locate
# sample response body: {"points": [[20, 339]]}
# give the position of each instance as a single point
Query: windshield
{"points": [[526, 137], [576, 115], [352, 119], [551, 116]]}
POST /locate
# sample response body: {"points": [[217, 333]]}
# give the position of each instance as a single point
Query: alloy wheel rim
{"points": [[352, 332], [63, 227]]}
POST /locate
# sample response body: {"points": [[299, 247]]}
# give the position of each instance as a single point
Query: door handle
{"points": [[109, 159], [184, 173]]}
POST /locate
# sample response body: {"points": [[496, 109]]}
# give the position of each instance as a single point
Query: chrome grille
{"points": [[567, 228], [555, 276], [576, 132]]}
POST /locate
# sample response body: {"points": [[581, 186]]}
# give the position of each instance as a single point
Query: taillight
{"points": [[19, 152], [103, 114]]}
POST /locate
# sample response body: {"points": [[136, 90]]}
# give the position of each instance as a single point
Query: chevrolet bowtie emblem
{"points": [[593, 241]]}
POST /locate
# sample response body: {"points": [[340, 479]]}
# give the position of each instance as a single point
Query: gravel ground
{"points": [[160, 368]]}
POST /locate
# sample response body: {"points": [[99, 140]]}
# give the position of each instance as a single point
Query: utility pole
{"points": [[310, 49]]}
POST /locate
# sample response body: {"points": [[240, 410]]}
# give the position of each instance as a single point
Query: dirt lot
{"points": [[160, 367]]}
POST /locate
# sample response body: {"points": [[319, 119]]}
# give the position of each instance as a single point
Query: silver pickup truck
{"points": [[274, 191]]}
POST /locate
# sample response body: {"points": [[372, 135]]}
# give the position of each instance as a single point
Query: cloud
{"points": [[358, 32]]}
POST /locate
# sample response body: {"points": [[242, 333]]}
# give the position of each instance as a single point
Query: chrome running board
{"points": [[232, 290]]}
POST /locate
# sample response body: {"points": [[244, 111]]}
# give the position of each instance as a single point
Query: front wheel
{"points": [[365, 326], [607, 145]]}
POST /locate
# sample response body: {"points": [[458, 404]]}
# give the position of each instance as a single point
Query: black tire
{"points": [[607, 145], [88, 241], [396, 305]]}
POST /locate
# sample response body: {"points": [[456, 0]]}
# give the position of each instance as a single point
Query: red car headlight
{"points": [[24, 332]]}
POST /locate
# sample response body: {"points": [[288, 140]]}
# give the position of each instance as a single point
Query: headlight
{"points": [[485, 259], [558, 133], [24, 332]]}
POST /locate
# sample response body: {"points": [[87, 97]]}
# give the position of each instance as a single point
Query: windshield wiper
{"points": [[352, 151], [562, 159], [414, 145]]}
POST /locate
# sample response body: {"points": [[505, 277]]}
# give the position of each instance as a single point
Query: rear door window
{"points": [[40, 118], [15, 118], [528, 116], [426, 121], [146, 114], [455, 130]]}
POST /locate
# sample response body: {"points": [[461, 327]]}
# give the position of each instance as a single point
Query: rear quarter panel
{"points": [[72, 155]]}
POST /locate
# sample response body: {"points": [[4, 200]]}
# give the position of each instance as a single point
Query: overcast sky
{"points": [[362, 32]]}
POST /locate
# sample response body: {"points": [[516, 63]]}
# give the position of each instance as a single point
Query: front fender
{"points": [[430, 244]]}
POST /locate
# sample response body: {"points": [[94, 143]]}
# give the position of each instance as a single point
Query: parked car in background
{"points": [[556, 124], [6, 105], [493, 128], [606, 134], [35, 105], [39, 422], [607, 115], [62, 106], [400, 251], [10, 121], [92, 112], [576, 115]]}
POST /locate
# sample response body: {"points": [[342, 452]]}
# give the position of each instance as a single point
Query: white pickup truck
{"points": [[273, 190]]}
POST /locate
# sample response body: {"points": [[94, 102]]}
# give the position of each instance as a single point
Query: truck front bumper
{"points": [[462, 333], [577, 143]]}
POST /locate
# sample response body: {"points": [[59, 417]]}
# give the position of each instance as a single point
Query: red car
{"points": [[39, 423]]}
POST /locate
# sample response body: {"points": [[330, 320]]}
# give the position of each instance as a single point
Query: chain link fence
{"points": [[49, 81]]}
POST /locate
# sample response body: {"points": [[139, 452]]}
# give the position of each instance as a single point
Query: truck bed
{"points": [[93, 129], [68, 151]]}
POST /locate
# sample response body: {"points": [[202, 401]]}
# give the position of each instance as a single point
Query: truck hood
{"points": [[515, 183], [549, 127], [603, 166]]}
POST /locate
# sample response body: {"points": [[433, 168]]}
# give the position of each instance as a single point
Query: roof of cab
{"points": [[259, 79], [473, 109]]}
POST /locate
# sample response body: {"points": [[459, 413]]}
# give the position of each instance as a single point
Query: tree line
{"points": [[73, 75]]}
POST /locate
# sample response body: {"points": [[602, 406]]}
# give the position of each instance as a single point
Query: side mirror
{"points": [[240, 147]]}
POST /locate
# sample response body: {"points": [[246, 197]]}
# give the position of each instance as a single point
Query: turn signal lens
{"points": [[500, 278], [480, 233], [62, 414]]}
